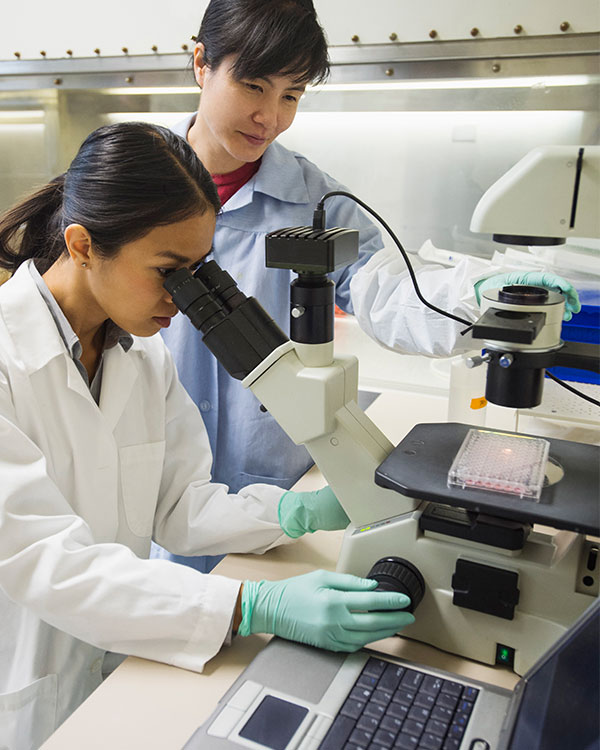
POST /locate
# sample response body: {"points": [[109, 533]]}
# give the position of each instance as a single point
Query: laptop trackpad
{"points": [[259, 708], [274, 723]]}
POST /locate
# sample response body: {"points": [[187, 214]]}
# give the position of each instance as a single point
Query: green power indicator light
{"points": [[365, 528], [505, 655]]}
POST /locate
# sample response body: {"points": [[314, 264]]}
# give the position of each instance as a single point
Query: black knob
{"points": [[397, 574]]}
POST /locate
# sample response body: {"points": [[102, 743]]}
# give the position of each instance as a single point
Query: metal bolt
{"points": [[184, 47], [355, 37], [57, 81], [69, 52], [393, 36], [129, 79], [43, 52], [433, 33], [389, 72], [565, 26], [476, 360], [97, 50], [124, 50], [496, 67], [518, 29], [154, 48], [474, 31], [17, 55], [506, 360], [298, 311]]}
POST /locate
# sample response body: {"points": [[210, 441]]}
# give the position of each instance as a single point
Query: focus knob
{"points": [[397, 574]]}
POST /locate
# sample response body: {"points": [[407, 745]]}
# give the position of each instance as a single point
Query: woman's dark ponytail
{"points": [[34, 228]]}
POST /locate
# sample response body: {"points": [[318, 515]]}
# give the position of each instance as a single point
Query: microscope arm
{"points": [[317, 407], [312, 396]]}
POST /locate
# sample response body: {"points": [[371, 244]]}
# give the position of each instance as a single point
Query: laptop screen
{"points": [[560, 700]]}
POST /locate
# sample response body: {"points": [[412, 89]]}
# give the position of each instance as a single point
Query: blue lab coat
{"points": [[248, 445]]}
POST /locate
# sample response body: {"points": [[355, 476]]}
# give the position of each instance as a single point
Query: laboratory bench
{"points": [[153, 706]]}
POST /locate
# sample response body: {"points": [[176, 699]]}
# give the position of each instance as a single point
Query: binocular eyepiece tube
{"points": [[235, 328]]}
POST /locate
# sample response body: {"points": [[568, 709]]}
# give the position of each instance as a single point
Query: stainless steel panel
{"points": [[418, 130]]}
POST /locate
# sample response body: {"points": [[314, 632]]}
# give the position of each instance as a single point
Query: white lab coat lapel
{"points": [[46, 368], [75, 382], [119, 375]]}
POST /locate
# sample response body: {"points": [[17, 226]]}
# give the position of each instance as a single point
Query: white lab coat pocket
{"points": [[28, 716], [141, 472]]}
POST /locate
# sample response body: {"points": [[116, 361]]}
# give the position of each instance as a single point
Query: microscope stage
{"points": [[418, 467]]}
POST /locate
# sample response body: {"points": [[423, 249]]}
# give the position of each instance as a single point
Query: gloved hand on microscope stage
{"points": [[534, 278], [336, 611], [304, 512]]}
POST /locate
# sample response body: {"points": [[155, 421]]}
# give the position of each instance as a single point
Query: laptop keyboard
{"points": [[391, 706]]}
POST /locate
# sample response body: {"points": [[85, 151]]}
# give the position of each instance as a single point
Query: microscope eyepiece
{"points": [[220, 284], [235, 328], [194, 299]]}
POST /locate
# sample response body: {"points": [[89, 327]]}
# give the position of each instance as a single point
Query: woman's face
{"points": [[128, 288], [237, 120]]}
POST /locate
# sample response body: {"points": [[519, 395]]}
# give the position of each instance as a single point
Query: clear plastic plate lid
{"points": [[494, 461]]}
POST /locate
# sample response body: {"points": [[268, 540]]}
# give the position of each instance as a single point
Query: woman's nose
{"points": [[267, 114]]}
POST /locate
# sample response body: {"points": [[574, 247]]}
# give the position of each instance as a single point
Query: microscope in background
{"points": [[551, 194], [492, 589]]}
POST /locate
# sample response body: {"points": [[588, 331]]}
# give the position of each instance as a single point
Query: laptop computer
{"points": [[294, 697]]}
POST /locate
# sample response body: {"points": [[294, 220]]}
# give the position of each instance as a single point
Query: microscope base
{"points": [[545, 572]]}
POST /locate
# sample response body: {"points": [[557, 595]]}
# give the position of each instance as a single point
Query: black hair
{"points": [[125, 180], [268, 37]]}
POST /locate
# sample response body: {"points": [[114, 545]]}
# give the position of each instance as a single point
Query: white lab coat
{"points": [[388, 309], [82, 489]]}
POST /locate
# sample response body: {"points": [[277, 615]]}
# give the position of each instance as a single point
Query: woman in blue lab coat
{"points": [[252, 61], [276, 48]]}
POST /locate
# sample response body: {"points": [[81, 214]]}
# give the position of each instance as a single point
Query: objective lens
{"points": [[522, 294]]}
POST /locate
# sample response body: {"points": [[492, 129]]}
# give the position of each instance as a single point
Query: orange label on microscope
{"points": [[478, 403]]}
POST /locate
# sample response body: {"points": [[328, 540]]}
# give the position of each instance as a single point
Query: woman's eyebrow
{"points": [[300, 88], [170, 255]]}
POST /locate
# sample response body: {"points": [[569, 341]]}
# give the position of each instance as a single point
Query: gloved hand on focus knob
{"points": [[305, 512], [534, 278], [323, 609]]}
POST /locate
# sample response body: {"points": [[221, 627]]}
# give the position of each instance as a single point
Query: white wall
{"points": [[56, 26], [426, 171]]}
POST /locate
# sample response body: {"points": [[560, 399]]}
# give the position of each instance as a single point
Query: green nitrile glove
{"points": [[336, 611], [534, 278], [305, 512]]}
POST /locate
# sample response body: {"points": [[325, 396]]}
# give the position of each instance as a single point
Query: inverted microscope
{"points": [[489, 585]]}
